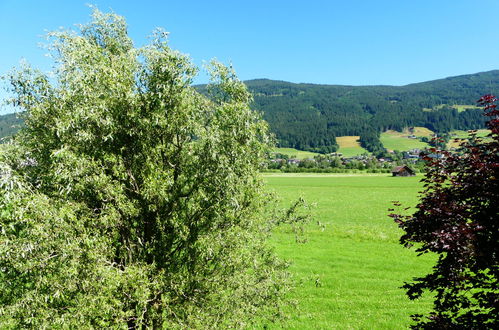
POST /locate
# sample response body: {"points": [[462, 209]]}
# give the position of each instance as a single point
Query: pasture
{"points": [[420, 132], [349, 272], [458, 107], [394, 140], [464, 107], [295, 153], [464, 135], [349, 146]]}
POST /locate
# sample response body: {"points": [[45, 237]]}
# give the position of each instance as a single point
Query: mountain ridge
{"points": [[310, 116], [496, 72]]}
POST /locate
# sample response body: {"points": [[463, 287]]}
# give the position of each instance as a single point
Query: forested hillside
{"points": [[9, 124], [310, 117]]}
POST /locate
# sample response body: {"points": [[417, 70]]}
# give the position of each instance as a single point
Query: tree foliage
{"points": [[131, 200], [458, 219]]}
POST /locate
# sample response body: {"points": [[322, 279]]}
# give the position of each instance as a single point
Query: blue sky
{"points": [[352, 42]]}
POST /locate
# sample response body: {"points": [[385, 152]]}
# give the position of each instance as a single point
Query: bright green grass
{"points": [[458, 107], [356, 259], [349, 146], [464, 134], [399, 141], [352, 151], [463, 107], [459, 134], [295, 153], [345, 151]]}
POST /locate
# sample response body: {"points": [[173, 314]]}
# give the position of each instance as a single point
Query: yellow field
{"points": [[349, 146], [422, 132], [348, 141]]}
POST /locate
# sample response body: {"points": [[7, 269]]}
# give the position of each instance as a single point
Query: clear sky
{"points": [[352, 42]]}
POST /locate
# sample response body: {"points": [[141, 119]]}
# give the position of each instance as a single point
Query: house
{"points": [[402, 171]]}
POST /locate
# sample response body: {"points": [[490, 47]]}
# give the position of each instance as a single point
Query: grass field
{"points": [[421, 132], [391, 140], [394, 140], [349, 272], [458, 107], [349, 146], [463, 107], [300, 154], [457, 134]]}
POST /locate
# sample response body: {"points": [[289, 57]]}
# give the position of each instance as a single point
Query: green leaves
{"points": [[131, 200], [457, 219]]}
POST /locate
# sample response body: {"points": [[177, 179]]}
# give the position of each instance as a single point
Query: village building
{"points": [[402, 171]]}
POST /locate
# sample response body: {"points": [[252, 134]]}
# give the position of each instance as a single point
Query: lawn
{"points": [[295, 153], [349, 146], [350, 270]]}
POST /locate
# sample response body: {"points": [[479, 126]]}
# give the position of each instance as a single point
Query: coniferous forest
{"points": [[309, 117]]}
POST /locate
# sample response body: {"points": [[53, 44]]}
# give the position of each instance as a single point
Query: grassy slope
{"points": [[459, 107], [349, 146], [421, 132], [463, 107], [391, 140], [295, 153], [356, 260], [458, 134], [394, 140]]}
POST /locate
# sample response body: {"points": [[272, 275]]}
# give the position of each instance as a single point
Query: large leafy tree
{"points": [[129, 199], [458, 219]]}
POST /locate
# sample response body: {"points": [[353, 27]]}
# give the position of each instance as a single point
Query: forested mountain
{"points": [[9, 124], [310, 117]]}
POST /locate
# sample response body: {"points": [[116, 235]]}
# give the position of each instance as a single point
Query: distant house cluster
{"points": [[397, 163]]}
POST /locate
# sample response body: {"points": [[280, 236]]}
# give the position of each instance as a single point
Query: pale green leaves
{"points": [[131, 199]]}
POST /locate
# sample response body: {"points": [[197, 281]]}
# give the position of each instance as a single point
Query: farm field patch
{"points": [[464, 135], [349, 146], [350, 271], [295, 153], [394, 140]]}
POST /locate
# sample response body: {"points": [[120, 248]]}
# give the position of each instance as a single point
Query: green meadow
{"points": [[349, 146], [295, 153], [464, 135], [394, 140], [350, 270]]}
